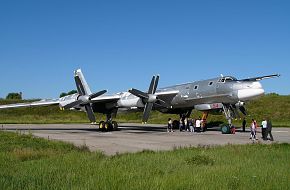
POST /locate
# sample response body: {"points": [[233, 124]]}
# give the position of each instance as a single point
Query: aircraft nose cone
{"points": [[249, 94]]}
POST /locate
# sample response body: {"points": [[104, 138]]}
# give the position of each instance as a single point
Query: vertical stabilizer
{"points": [[81, 83]]}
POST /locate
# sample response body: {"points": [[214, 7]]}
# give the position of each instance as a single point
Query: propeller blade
{"points": [[73, 104], [243, 110], [90, 113], [147, 110], [151, 87], [138, 93], [80, 87], [94, 95], [156, 84]]}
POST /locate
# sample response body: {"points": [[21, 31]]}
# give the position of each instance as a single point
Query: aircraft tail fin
{"points": [[81, 83]]}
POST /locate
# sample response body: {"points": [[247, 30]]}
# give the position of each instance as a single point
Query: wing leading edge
{"points": [[44, 102]]}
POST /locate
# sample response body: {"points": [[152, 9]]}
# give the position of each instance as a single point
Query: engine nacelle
{"points": [[128, 103], [128, 100], [68, 99]]}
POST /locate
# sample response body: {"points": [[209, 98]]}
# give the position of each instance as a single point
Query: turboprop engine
{"points": [[66, 100]]}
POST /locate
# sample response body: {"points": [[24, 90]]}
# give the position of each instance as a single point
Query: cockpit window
{"points": [[230, 79], [227, 79]]}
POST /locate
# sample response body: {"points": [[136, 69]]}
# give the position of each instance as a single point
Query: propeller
{"points": [[84, 99], [149, 98]]}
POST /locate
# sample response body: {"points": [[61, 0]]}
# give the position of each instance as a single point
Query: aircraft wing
{"points": [[261, 78], [167, 96], [105, 98], [44, 102]]}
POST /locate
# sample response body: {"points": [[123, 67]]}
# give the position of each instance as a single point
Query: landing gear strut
{"points": [[108, 125], [229, 113]]}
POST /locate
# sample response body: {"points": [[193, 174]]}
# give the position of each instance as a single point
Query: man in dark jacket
{"points": [[244, 125], [269, 130]]}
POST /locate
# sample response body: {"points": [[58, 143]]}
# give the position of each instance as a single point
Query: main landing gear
{"points": [[108, 125]]}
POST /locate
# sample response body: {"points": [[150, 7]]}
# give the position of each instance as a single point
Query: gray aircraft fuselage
{"points": [[202, 95]]}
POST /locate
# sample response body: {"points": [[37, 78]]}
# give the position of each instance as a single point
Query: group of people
{"points": [[187, 124], [266, 129]]}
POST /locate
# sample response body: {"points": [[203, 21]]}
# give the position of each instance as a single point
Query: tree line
{"points": [[18, 95]]}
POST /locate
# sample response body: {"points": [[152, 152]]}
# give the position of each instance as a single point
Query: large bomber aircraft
{"points": [[224, 93]]}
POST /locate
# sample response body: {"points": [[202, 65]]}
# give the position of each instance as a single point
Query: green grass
{"points": [[27, 162], [276, 107]]}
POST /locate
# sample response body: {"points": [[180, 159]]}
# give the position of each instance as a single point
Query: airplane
{"points": [[225, 93]]}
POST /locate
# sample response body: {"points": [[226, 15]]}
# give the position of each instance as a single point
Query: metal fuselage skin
{"points": [[202, 95]]}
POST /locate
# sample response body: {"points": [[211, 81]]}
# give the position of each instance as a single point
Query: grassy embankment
{"points": [[274, 106], [27, 162]]}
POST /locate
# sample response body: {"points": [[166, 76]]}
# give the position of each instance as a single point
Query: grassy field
{"points": [[273, 106], [27, 162]]}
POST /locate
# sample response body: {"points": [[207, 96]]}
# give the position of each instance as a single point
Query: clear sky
{"points": [[121, 44]]}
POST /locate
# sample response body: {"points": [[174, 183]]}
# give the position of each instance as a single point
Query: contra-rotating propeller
{"points": [[149, 98], [85, 96]]}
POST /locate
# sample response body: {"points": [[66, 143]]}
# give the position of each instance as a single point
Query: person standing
{"points": [[180, 124], [253, 130], [186, 124], [244, 124], [269, 130], [198, 125], [190, 123], [169, 126], [264, 129]]}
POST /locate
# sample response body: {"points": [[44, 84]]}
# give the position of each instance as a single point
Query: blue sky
{"points": [[121, 44]]}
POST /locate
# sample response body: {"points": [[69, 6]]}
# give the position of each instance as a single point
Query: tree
{"points": [[72, 92], [62, 94], [14, 96], [69, 93]]}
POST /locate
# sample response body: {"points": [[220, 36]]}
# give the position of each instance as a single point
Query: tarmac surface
{"points": [[136, 137]]}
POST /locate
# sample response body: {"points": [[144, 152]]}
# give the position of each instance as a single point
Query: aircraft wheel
{"points": [[102, 125], [108, 126], [226, 129], [115, 125]]}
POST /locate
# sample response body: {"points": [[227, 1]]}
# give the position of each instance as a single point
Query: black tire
{"points": [[108, 126], [101, 125], [115, 125], [226, 129]]}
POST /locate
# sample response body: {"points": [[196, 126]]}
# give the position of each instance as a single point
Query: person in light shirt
{"points": [[264, 129], [198, 125]]}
